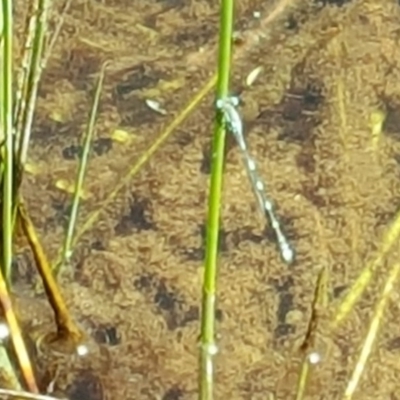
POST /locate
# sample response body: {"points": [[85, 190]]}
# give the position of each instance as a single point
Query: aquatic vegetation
{"points": [[147, 296]]}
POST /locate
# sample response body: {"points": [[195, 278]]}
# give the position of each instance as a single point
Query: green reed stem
{"points": [[67, 248], [208, 346], [38, 28], [7, 152]]}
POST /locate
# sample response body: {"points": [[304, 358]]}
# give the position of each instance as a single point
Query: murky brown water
{"points": [[137, 272]]}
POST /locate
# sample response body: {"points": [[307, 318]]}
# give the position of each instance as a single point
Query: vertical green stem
{"points": [[34, 74], [6, 125], [67, 248], [208, 346]]}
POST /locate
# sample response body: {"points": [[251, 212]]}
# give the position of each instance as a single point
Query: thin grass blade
{"points": [[34, 72], [189, 108], [366, 275], [7, 133], [372, 333], [88, 137], [22, 77], [19, 394]]}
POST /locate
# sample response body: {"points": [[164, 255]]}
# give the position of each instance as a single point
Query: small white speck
{"points": [[4, 331], [82, 350], [314, 358]]}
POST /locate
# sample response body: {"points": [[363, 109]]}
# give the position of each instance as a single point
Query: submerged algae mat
{"points": [[136, 277]]}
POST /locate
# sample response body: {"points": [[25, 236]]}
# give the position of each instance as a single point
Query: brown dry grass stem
{"points": [[309, 347], [68, 334], [16, 337]]}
